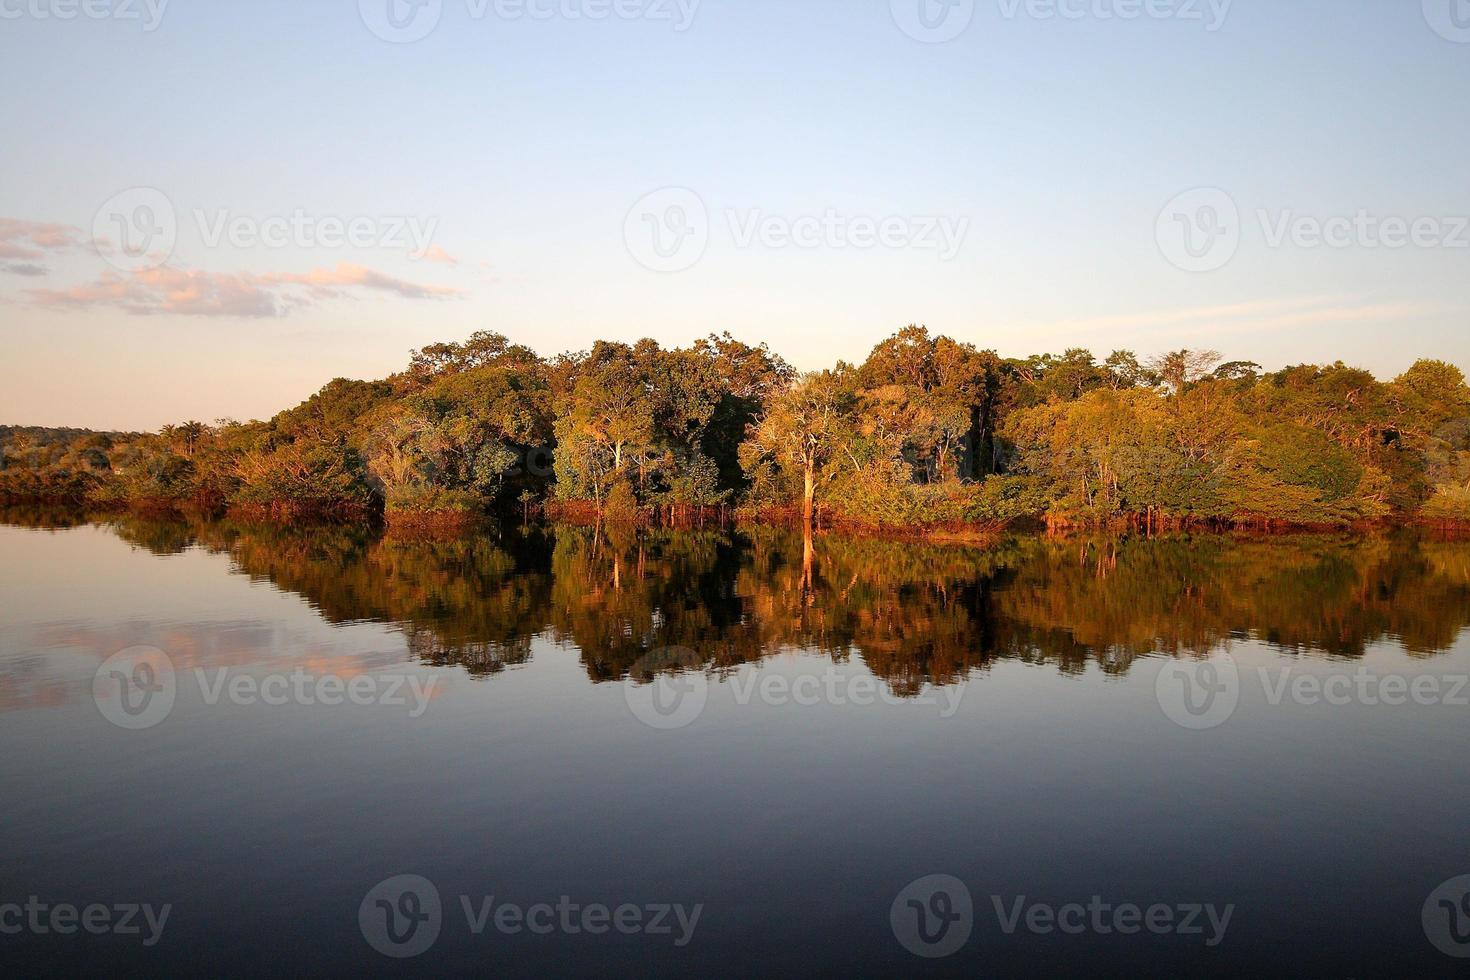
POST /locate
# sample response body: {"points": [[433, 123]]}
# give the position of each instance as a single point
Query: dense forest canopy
{"points": [[927, 432]]}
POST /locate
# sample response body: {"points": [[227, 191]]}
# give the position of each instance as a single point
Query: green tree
{"points": [[805, 430]]}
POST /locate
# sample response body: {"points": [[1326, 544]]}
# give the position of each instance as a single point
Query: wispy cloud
{"points": [[437, 254], [168, 290], [327, 283], [29, 242], [1238, 318], [24, 269], [1326, 316]]}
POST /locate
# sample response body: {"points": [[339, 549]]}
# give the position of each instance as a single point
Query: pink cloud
{"points": [[168, 290], [327, 282], [32, 240], [151, 292], [437, 254]]}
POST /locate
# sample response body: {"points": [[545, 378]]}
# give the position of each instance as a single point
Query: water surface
{"points": [[786, 736]]}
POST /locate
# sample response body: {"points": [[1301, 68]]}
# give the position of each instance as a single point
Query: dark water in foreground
{"points": [[708, 754]]}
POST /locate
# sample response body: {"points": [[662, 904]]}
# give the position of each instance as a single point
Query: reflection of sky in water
{"points": [[77, 597]]}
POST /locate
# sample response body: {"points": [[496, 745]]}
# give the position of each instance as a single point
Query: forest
{"points": [[928, 434]]}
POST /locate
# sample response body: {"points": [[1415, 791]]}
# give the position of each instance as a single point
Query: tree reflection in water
{"points": [[914, 613]]}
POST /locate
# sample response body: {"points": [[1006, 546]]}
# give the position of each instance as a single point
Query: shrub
{"points": [[319, 478], [1449, 503], [622, 503]]}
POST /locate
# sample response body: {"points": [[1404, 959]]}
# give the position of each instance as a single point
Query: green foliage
{"points": [[880, 493], [428, 499], [694, 481], [156, 475], [1303, 457], [301, 477], [1449, 503], [454, 443], [622, 502], [333, 414], [927, 431], [1003, 499], [39, 464], [806, 431], [1116, 453]]}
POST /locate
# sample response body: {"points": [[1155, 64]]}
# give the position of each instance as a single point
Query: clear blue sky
{"points": [[1059, 140]]}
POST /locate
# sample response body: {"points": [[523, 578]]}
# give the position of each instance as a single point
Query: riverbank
{"points": [[452, 523]]}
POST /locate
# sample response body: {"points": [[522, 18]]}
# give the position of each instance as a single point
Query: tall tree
{"points": [[804, 430]]}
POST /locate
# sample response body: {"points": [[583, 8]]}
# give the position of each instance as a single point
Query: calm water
{"points": [[258, 728]]}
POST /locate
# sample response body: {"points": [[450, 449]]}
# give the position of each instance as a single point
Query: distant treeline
{"points": [[927, 433]]}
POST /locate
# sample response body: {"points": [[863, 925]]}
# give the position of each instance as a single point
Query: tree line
{"points": [[928, 432]]}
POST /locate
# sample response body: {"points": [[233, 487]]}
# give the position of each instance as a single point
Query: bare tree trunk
{"points": [[809, 495]]}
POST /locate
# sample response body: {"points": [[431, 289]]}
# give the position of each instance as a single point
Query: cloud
{"points": [[1251, 317], [168, 290], [152, 292], [1333, 315], [325, 283], [32, 241], [437, 254]]}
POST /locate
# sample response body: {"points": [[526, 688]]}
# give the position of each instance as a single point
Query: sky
{"points": [[209, 210]]}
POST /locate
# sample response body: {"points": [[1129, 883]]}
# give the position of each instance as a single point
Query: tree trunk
{"points": [[976, 466], [809, 494]]}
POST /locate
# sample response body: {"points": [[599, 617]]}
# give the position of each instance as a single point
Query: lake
{"points": [[239, 749]]}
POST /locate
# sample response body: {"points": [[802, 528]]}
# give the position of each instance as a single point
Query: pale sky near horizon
{"points": [[1029, 172]]}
